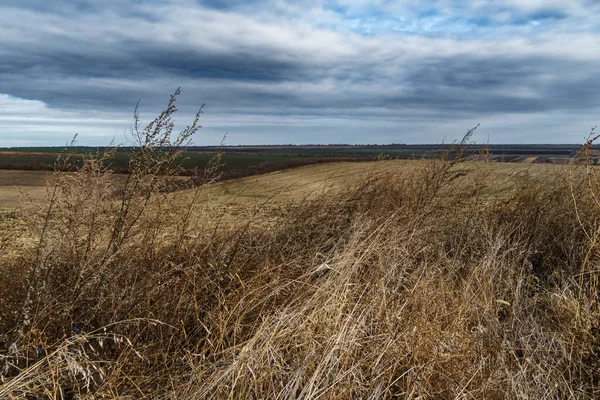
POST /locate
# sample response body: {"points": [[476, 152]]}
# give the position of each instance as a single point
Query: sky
{"points": [[298, 72]]}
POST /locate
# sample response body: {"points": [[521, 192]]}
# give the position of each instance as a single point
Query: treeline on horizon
{"points": [[312, 150], [240, 161], [308, 146], [234, 165]]}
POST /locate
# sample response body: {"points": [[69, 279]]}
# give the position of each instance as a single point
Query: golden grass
{"points": [[434, 279], [395, 284], [17, 187], [15, 184]]}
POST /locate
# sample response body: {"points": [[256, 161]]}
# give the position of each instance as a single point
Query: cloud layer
{"points": [[278, 71]]}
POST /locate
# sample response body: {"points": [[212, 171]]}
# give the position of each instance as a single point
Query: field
{"points": [[437, 278], [234, 164], [17, 186], [241, 161]]}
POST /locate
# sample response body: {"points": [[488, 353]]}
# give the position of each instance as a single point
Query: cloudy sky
{"points": [[314, 71]]}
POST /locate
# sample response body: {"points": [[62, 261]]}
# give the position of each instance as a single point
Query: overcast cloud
{"points": [[279, 71]]}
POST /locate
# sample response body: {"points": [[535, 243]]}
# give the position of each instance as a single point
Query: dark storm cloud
{"points": [[451, 83], [508, 84]]}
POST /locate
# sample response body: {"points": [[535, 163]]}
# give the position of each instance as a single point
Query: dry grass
{"points": [[413, 282], [14, 185]]}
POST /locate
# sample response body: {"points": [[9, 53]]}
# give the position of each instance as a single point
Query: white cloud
{"points": [[14, 106], [30, 122]]}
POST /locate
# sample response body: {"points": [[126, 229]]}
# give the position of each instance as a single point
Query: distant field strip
{"points": [[283, 185]]}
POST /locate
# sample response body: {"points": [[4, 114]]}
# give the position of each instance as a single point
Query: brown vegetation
{"points": [[421, 283]]}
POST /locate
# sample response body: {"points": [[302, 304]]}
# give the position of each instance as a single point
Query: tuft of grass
{"points": [[415, 283]]}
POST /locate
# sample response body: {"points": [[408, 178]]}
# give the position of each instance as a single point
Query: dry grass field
{"points": [[19, 187], [441, 279], [15, 186]]}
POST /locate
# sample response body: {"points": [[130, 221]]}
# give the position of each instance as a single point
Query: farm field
{"points": [[234, 164], [25, 171], [246, 160], [432, 277], [17, 186]]}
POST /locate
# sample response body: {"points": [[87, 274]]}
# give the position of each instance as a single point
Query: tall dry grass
{"points": [[423, 283]]}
